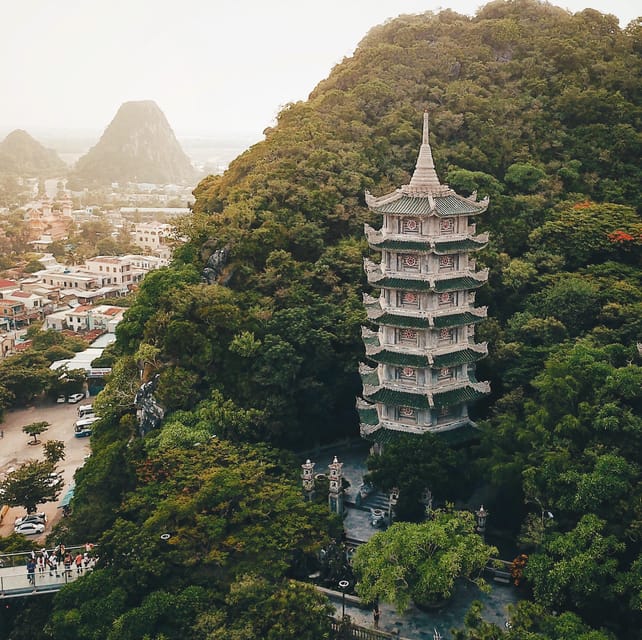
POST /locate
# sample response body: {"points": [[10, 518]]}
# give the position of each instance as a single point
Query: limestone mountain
{"points": [[137, 146], [21, 154]]}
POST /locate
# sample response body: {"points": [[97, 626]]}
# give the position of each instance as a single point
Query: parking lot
{"points": [[15, 450]]}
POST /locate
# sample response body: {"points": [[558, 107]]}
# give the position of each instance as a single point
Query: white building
{"points": [[154, 237], [110, 270], [86, 318]]}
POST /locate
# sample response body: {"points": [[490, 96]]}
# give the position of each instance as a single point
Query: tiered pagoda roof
{"points": [[424, 355]]}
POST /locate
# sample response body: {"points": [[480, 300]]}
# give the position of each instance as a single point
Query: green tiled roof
{"points": [[402, 359], [457, 284], [402, 245], [456, 206], [370, 378], [392, 320], [386, 436], [401, 283], [405, 205], [400, 398], [454, 437], [371, 340], [368, 415], [457, 357], [459, 245], [456, 396], [456, 320], [450, 205]]}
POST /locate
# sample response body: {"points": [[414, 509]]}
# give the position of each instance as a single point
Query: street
{"points": [[15, 450]]}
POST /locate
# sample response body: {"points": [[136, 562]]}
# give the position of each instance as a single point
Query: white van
{"points": [[85, 410], [82, 428]]}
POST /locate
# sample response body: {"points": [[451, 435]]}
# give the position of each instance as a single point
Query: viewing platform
{"points": [[15, 582]]}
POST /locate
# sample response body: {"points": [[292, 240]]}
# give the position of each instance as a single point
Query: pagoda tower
{"points": [[423, 354]]}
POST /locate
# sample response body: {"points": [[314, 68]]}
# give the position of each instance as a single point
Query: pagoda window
{"points": [[407, 375], [407, 336], [446, 336], [446, 263], [446, 299], [409, 299], [410, 225], [409, 262], [445, 413], [447, 373], [446, 226], [407, 414]]}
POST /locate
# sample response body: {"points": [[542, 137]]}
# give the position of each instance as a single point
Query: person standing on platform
{"points": [[31, 571]]}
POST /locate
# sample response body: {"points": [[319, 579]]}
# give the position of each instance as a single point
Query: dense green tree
{"points": [[29, 485], [421, 562], [35, 429], [576, 568], [413, 464], [54, 451]]}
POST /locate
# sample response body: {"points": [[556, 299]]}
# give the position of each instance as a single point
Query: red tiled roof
{"points": [[5, 284]]}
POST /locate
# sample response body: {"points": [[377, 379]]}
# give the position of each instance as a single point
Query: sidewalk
{"points": [[420, 625]]}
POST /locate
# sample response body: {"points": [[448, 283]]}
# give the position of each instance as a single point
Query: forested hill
{"points": [[137, 146], [21, 155], [538, 108], [532, 105]]}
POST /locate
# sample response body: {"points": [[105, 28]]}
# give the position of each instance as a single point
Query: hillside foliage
{"points": [[532, 105]]}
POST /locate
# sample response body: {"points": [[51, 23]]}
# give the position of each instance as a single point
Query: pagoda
{"points": [[421, 376]]}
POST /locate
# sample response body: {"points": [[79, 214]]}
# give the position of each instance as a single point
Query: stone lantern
{"points": [[482, 515], [335, 490], [307, 478], [393, 498]]}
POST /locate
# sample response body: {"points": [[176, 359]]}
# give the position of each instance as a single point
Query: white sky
{"points": [[214, 67]]}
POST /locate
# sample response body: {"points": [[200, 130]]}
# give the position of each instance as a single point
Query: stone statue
{"points": [[215, 265], [149, 413]]}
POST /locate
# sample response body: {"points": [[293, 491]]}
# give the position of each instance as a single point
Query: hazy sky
{"points": [[213, 66]]}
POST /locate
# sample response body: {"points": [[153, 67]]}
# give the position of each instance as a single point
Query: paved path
{"points": [[15, 450], [420, 625], [414, 624]]}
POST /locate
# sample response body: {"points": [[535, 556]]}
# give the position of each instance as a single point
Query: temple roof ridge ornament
{"points": [[424, 181]]}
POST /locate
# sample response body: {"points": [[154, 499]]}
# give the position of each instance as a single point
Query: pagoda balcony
{"points": [[451, 317], [402, 427], [416, 353], [434, 389], [456, 242], [447, 424], [480, 348]]}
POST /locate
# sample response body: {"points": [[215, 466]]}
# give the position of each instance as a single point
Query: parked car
{"points": [[32, 517], [75, 397], [29, 528], [61, 398], [55, 479]]}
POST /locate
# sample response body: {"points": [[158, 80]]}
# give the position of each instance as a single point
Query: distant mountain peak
{"points": [[138, 145], [21, 154]]}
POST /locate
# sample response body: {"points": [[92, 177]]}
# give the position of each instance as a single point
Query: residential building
{"points": [[153, 237], [110, 270], [43, 220]]}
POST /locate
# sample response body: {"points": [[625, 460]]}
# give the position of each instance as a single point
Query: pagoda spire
{"points": [[424, 179]]}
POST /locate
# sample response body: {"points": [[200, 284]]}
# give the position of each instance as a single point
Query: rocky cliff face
{"points": [[21, 155], [137, 146]]}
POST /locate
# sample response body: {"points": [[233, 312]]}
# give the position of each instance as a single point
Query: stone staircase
{"points": [[376, 500]]}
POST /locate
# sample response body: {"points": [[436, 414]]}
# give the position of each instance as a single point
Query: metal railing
{"points": [[352, 631], [16, 582]]}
